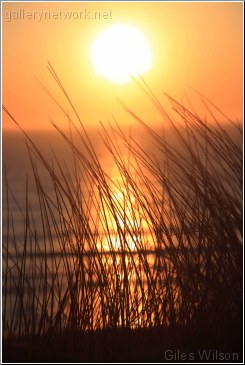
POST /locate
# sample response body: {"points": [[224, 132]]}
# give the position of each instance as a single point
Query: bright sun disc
{"points": [[119, 52]]}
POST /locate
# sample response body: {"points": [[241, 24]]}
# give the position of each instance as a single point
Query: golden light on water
{"points": [[121, 51], [123, 225]]}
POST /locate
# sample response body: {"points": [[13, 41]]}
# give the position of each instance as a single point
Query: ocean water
{"points": [[25, 234], [41, 225], [23, 189], [19, 177]]}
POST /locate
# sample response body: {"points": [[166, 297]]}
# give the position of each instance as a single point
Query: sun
{"points": [[119, 52]]}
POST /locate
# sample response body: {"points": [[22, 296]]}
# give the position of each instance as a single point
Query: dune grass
{"points": [[158, 246]]}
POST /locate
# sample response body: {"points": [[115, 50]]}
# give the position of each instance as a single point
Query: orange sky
{"points": [[196, 45]]}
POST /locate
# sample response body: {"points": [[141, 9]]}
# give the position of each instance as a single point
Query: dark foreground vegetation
{"points": [[183, 344], [123, 269]]}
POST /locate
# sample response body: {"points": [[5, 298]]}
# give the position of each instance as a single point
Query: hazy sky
{"points": [[196, 45]]}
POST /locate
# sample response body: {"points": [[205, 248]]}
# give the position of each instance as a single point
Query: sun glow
{"points": [[119, 52]]}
